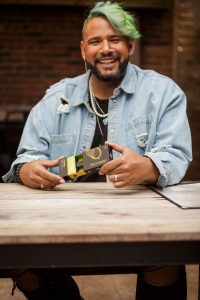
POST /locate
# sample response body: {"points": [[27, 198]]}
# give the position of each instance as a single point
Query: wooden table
{"points": [[91, 226]]}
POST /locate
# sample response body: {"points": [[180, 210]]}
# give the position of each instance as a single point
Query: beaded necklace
{"points": [[95, 104]]}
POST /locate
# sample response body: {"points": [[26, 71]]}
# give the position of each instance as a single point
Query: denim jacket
{"points": [[147, 113]]}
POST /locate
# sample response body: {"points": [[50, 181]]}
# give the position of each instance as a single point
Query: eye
{"points": [[115, 40], [93, 42]]}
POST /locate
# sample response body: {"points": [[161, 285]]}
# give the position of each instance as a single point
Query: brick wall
{"points": [[39, 45], [157, 40], [187, 69]]}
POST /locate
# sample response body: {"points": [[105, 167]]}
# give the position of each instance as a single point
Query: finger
{"points": [[116, 147], [42, 171], [35, 182], [50, 163], [115, 177], [46, 186], [49, 177], [109, 167], [119, 184], [117, 180], [117, 170]]}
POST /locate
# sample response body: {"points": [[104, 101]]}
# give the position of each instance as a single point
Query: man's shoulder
{"points": [[65, 83], [150, 74], [137, 79], [152, 78]]}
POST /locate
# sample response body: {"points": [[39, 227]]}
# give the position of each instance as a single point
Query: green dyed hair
{"points": [[120, 19]]}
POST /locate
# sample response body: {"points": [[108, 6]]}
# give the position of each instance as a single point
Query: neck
{"points": [[103, 89]]}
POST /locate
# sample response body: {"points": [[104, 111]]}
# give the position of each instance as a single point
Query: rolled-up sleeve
{"points": [[34, 143], [172, 148]]}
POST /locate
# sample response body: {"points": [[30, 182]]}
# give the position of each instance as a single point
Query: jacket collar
{"points": [[80, 86], [128, 84]]}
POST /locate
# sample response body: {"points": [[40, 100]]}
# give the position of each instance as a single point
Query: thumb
{"points": [[50, 163], [116, 147]]}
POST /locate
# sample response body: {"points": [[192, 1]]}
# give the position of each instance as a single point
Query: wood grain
{"points": [[91, 212]]}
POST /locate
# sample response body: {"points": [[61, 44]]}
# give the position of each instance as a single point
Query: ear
{"points": [[131, 47], [82, 50]]}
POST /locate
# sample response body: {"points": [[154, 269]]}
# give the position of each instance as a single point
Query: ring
{"points": [[41, 186], [115, 177]]}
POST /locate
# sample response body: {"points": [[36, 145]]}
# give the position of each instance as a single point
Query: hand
{"points": [[35, 174], [129, 169]]}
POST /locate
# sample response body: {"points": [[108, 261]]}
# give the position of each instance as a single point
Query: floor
{"points": [[106, 287]]}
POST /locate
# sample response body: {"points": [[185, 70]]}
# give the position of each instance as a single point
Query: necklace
{"points": [[99, 125], [94, 104]]}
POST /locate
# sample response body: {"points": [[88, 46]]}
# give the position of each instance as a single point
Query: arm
{"points": [[34, 153], [167, 150], [170, 148]]}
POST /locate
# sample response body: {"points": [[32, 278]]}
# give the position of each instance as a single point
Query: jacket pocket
{"points": [[138, 130], [62, 145]]}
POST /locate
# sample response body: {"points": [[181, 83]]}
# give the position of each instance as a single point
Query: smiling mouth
{"points": [[107, 61]]}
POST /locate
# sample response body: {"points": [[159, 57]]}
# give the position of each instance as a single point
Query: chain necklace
{"points": [[99, 125], [94, 104]]}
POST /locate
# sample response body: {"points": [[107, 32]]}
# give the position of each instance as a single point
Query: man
{"points": [[141, 113]]}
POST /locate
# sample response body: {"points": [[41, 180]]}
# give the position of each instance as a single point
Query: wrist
{"points": [[17, 172], [153, 172]]}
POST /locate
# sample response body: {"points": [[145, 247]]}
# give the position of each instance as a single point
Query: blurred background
{"points": [[39, 45]]}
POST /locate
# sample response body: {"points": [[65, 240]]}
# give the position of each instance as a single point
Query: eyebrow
{"points": [[109, 37]]}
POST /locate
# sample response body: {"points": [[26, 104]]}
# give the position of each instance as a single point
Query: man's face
{"points": [[105, 50]]}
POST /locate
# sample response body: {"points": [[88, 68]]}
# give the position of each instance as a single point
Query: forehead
{"points": [[98, 26]]}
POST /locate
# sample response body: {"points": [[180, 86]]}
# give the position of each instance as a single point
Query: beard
{"points": [[112, 77]]}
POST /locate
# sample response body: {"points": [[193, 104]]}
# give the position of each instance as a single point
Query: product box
{"points": [[89, 161]]}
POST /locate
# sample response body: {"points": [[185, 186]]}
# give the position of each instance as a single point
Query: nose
{"points": [[105, 47]]}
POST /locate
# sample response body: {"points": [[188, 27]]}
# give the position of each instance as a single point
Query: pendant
{"points": [[105, 121]]}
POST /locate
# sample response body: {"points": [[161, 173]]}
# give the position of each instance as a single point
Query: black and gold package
{"points": [[89, 161]]}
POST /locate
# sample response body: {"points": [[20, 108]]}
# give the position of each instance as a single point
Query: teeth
{"points": [[108, 61]]}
